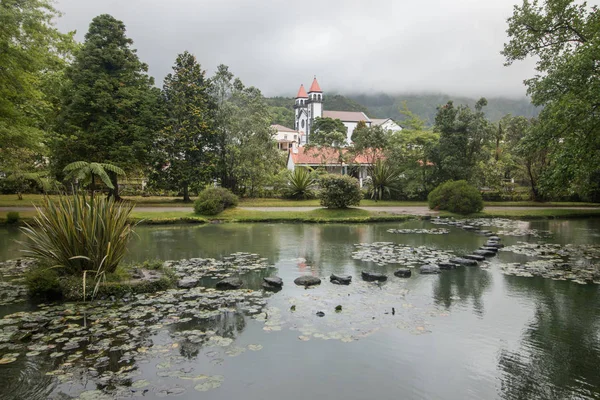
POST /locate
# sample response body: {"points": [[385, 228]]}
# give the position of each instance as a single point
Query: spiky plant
{"points": [[87, 172], [79, 237], [301, 181], [384, 180]]}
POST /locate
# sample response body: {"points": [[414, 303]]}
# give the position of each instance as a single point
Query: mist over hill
{"points": [[388, 106]]}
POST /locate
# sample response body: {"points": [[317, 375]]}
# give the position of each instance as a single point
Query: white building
{"points": [[309, 106], [286, 137]]}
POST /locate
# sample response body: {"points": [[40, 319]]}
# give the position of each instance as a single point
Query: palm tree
{"points": [[86, 173], [300, 182], [384, 179]]}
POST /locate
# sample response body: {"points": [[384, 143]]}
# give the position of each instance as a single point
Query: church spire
{"points": [[302, 93], [315, 86]]}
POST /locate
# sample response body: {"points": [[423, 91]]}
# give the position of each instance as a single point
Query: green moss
{"points": [[43, 283]]}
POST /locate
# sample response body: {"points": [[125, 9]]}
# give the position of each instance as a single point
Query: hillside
{"points": [[385, 105]]}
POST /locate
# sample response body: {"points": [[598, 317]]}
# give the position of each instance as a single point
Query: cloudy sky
{"points": [[395, 46]]}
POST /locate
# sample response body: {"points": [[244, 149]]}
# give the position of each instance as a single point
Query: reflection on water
{"points": [[469, 333]]}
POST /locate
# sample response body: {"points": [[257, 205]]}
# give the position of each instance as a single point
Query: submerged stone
{"points": [[475, 257], [403, 273], [429, 269], [187, 283], [230, 283], [485, 253], [273, 281], [464, 261], [447, 265]]}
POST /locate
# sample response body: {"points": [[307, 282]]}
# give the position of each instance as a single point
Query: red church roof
{"points": [[302, 93], [315, 86]]}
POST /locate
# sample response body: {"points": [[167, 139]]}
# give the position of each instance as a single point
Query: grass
{"points": [[10, 200]]}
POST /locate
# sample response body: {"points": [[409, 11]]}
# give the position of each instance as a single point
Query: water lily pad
{"points": [[211, 382]]}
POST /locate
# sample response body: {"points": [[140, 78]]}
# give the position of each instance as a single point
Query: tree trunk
{"points": [[186, 194], [92, 188], [114, 193], [534, 191]]}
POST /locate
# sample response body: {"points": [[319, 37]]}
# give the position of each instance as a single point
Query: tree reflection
{"points": [[559, 355], [461, 286]]}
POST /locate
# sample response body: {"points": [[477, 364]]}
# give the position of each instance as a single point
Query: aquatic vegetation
{"points": [[78, 236], [383, 253], [506, 227], [434, 231], [12, 281]]}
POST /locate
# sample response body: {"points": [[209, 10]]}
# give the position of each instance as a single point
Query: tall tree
{"points": [[328, 134], [31, 50], [247, 154], [563, 36], [110, 109], [187, 144], [370, 142], [463, 133]]}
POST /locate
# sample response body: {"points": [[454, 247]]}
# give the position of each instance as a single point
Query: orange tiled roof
{"points": [[315, 86], [324, 156], [302, 93]]}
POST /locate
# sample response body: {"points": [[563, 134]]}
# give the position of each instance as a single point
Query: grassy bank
{"points": [[530, 214], [156, 201]]}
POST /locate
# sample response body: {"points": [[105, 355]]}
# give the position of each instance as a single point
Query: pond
{"points": [[466, 333]]}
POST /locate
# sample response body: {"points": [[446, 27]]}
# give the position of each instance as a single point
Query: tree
{"points": [[31, 49], [328, 133], [370, 142], [247, 155], [563, 36], [187, 143], [85, 173], [463, 133], [109, 109]]}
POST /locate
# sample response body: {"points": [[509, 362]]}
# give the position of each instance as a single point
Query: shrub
{"points": [[457, 197], [212, 201], [339, 191], [385, 179], [300, 183], [12, 217], [75, 235], [43, 282]]}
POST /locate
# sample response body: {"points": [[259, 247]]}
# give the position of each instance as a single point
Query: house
{"points": [[308, 106], [329, 159], [285, 137], [387, 124]]}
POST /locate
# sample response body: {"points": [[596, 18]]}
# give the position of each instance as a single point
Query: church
{"points": [[309, 106]]}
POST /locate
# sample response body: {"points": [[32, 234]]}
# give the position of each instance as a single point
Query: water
{"points": [[470, 333]]}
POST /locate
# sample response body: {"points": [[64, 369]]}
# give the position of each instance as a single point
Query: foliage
{"points": [[185, 153], [370, 142], [109, 108], [78, 237], [463, 134], [32, 50], [213, 201], [562, 35], [300, 183], [12, 217], [246, 150], [85, 173], [339, 191], [326, 134], [385, 179], [43, 282], [457, 197]]}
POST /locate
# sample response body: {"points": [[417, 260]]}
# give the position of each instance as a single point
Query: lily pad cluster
{"points": [[434, 231], [579, 263], [106, 341], [506, 227], [383, 253], [12, 281]]}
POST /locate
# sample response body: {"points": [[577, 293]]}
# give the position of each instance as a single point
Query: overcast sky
{"points": [[441, 46]]}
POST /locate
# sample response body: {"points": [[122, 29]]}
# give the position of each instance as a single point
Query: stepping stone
{"points": [[464, 261], [494, 244], [468, 227], [403, 273], [475, 257], [373, 276], [496, 238], [230, 284], [340, 279], [429, 269], [489, 248], [485, 253], [446, 265], [307, 280], [272, 283]]}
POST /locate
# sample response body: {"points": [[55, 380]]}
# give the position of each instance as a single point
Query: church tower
{"points": [[315, 104], [301, 114]]}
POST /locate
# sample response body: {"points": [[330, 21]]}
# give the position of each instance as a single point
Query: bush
{"points": [[212, 201], [76, 235], [12, 217], [43, 282], [457, 197], [339, 191]]}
